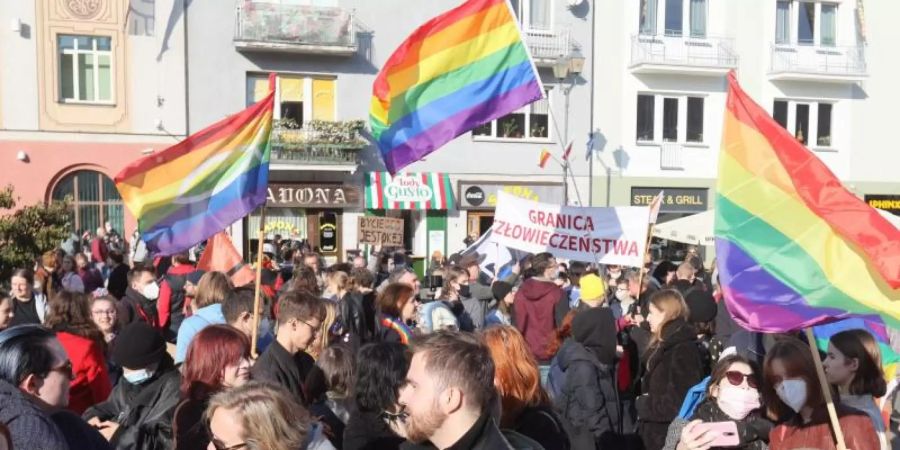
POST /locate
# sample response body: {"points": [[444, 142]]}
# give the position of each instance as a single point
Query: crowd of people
{"points": [[106, 349]]}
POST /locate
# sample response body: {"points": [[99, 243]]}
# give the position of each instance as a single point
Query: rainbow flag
{"points": [[795, 248], [457, 71], [194, 189], [872, 325]]}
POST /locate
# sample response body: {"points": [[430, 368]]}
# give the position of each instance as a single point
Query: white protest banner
{"points": [[594, 235]]}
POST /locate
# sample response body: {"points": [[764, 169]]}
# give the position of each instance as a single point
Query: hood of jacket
{"points": [[595, 328], [534, 289], [211, 313], [572, 352]]}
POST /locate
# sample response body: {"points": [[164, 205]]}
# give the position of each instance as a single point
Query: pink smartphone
{"points": [[728, 433]]}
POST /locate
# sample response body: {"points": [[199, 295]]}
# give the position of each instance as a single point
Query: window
{"points": [[783, 23], [85, 69], [648, 17], [823, 128], [780, 113], [698, 18], [828, 25], [532, 122], [670, 120], [645, 115], [534, 14], [297, 97], [694, 119], [94, 200], [674, 17], [801, 124], [806, 23]]}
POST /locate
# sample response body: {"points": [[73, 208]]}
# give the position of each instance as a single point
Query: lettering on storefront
{"points": [[314, 196], [483, 196], [889, 203], [674, 199], [407, 189]]}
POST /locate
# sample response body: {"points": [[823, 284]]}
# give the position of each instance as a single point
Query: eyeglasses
{"points": [[736, 378], [65, 369], [314, 329], [394, 417]]}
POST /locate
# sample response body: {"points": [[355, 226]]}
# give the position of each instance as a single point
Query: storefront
{"points": [[889, 203], [306, 212], [676, 203], [422, 200], [479, 198]]}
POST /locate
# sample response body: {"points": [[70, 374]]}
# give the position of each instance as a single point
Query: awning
{"points": [[408, 191]]}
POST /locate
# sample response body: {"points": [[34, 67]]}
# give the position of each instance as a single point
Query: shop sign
{"points": [[675, 200], [408, 191], [477, 195], [386, 231], [313, 195], [889, 203]]}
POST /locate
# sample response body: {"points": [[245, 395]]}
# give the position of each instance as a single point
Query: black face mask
{"points": [[464, 290]]}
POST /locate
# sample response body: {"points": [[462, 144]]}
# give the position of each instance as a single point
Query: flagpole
{"points": [[826, 391], [261, 237]]}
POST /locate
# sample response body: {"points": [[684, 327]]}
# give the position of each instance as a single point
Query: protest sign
{"points": [[602, 235], [381, 230]]}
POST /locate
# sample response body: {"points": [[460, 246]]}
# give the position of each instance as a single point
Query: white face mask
{"points": [[151, 291], [792, 392], [737, 402], [615, 275], [623, 296], [138, 376]]}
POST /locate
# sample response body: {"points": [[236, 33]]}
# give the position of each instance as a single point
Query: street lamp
{"points": [[565, 65]]}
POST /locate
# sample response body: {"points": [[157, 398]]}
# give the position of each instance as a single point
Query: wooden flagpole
{"points": [[261, 237], [823, 383]]}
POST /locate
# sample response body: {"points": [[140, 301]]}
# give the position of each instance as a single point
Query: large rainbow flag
{"points": [[194, 189], [457, 71], [795, 248]]}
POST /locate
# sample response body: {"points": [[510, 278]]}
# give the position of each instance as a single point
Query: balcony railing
{"points": [[546, 46], [294, 28], [682, 53], [670, 154], [319, 143], [807, 61]]}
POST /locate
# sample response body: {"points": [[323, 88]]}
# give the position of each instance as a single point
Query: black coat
{"points": [[545, 426], [133, 307], [367, 431], [353, 317], [280, 367], [118, 281], [673, 366], [484, 435], [144, 412], [587, 397], [31, 428]]}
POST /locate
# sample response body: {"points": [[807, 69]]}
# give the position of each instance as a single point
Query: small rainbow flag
{"points": [[545, 156], [457, 71], [795, 248], [194, 189]]}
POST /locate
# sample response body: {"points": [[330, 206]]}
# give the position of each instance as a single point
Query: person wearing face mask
{"points": [[139, 303], [218, 359], [138, 413], [792, 394], [732, 395]]}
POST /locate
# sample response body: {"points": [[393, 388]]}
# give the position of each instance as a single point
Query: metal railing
{"points": [[290, 24], [547, 45], [310, 146], [670, 156], [808, 59], [708, 51]]}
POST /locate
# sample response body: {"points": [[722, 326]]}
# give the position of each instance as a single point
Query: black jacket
{"points": [[31, 428], [78, 433], [673, 366], [484, 435], [134, 306], [367, 431], [353, 318], [545, 426], [144, 412], [280, 367], [588, 397], [118, 281]]}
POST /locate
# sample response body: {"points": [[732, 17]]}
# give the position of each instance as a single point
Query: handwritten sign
{"points": [[381, 230]]}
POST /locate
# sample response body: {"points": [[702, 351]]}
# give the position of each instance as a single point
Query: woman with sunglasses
{"points": [[793, 395], [732, 395]]}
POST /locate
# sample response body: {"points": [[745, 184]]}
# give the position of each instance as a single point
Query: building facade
{"points": [[822, 68], [85, 89]]}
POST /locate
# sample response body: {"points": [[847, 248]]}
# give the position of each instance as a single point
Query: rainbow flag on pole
{"points": [[795, 248], [457, 71], [194, 189]]}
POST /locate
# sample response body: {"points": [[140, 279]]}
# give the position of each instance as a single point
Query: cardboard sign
{"points": [[381, 230], [593, 235]]}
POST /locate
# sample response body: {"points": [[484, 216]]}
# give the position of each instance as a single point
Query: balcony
{"points": [[813, 63], [319, 145], [670, 156], [682, 55], [291, 28], [546, 46]]}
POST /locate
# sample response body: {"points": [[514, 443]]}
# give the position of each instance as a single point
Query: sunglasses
{"points": [[736, 378]]}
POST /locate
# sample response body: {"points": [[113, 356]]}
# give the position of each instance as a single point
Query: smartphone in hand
{"points": [[727, 431]]}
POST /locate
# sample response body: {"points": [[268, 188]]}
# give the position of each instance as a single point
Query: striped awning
{"points": [[408, 191]]}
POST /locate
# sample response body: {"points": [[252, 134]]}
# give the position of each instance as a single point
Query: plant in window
{"points": [[824, 141], [509, 128], [538, 130]]}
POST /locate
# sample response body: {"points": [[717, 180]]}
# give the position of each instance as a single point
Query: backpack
{"points": [[426, 314], [692, 399]]}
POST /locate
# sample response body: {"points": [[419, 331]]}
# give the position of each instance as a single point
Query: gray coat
{"points": [[31, 428]]}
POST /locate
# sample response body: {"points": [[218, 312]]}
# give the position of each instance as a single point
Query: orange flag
{"points": [[221, 256], [545, 155]]}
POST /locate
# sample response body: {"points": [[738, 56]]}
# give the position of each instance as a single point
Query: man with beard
{"points": [[448, 392]]}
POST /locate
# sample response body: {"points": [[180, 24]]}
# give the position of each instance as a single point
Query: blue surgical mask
{"points": [[138, 376]]}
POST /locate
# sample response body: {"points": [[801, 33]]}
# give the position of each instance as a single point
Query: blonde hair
{"points": [[212, 288], [673, 306], [270, 417], [323, 339], [341, 281]]}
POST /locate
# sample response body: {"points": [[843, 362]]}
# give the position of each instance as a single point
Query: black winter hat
{"points": [[702, 306], [138, 346], [500, 289]]}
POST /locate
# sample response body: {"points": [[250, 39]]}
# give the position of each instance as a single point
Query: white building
{"points": [[824, 69]]}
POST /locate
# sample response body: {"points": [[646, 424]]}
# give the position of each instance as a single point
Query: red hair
{"points": [[212, 349], [563, 333], [516, 374]]}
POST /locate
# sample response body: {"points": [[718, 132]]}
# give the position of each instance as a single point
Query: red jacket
{"points": [[164, 302], [91, 384], [535, 302], [98, 250]]}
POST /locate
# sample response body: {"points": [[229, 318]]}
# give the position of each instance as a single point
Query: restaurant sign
{"points": [[314, 195], [675, 200]]}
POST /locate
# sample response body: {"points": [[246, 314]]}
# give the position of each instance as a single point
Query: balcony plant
{"points": [[288, 135]]}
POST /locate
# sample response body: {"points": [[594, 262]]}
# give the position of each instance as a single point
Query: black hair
{"points": [[237, 302], [24, 350], [136, 272], [380, 372]]}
